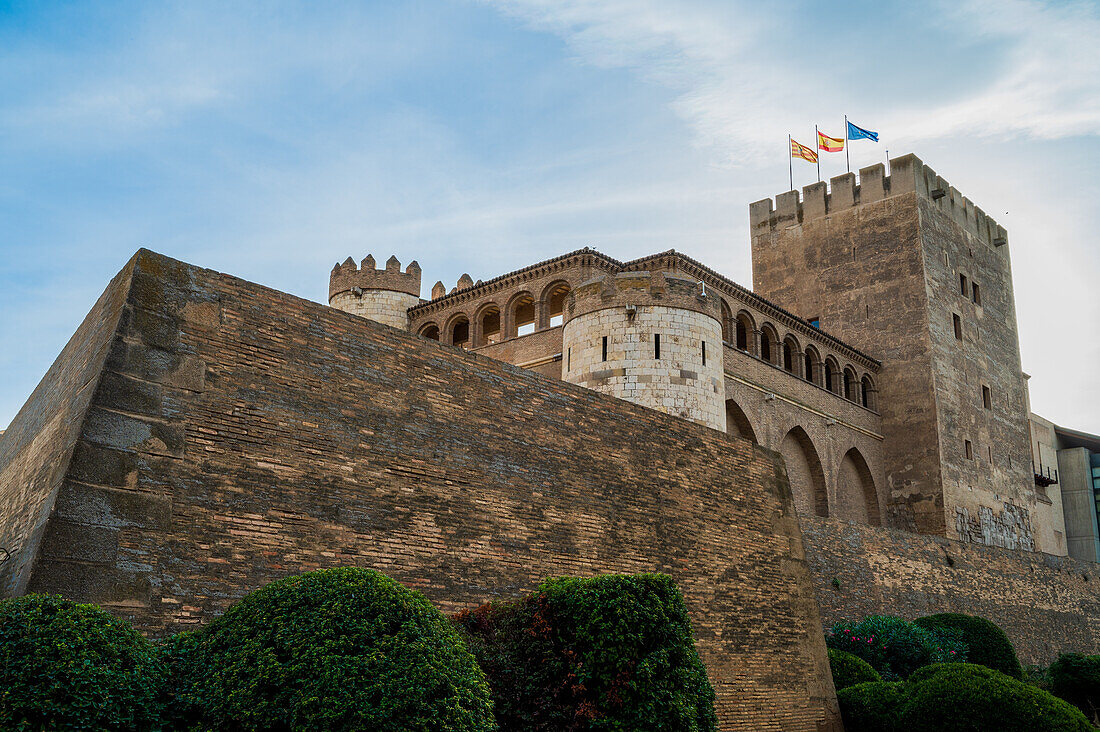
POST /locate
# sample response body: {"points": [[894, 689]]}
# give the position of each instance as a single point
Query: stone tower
{"points": [[382, 295], [907, 269], [650, 338]]}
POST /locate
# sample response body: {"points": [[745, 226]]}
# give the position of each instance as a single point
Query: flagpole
{"points": [[790, 160], [817, 144], [847, 159]]}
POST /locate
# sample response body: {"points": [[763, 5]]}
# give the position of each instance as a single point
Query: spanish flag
{"points": [[829, 144], [801, 151]]}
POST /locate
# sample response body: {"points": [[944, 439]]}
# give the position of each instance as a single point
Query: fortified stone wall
{"points": [[381, 295], [240, 435], [1046, 604]]}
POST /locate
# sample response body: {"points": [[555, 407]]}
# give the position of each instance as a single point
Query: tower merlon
{"points": [[347, 276], [907, 175]]}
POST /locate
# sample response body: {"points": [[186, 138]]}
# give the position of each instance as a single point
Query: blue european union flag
{"points": [[858, 133]]}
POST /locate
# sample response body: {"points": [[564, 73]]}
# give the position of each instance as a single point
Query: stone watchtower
{"points": [[382, 295], [908, 270], [650, 338]]}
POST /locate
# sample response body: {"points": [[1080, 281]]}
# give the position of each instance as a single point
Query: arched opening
{"points": [[867, 391], [856, 497], [832, 375], [728, 327], [850, 385], [489, 325], [737, 423], [523, 314], [460, 332], [791, 355], [812, 365], [555, 297], [769, 343], [745, 327], [431, 330], [804, 473]]}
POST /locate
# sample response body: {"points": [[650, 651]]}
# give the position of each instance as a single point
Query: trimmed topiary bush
{"points": [[67, 666], [965, 697], [1076, 678], [606, 653], [335, 649], [986, 643], [871, 706], [895, 647], [849, 670]]}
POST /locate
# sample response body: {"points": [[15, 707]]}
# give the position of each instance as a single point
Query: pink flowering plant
{"points": [[895, 647]]}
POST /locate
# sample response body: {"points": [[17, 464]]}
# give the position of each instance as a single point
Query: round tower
{"points": [[382, 295], [650, 338]]}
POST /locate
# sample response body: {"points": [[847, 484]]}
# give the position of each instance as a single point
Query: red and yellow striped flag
{"points": [[801, 151], [829, 144]]}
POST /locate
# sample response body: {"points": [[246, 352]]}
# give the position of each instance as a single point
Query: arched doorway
{"points": [[856, 497], [804, 473]]}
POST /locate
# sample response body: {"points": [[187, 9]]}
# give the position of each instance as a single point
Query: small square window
{"points": [[975, 294], [969, 446], [957, 321], [987, 397], [963, 285]]}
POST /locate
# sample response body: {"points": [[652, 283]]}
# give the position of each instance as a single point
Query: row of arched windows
{"points": [[490, 323], [764, 342]]}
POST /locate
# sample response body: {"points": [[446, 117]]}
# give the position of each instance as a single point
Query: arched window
{"points": [[431, 330], [555, 297], [812, 366], [489, 325], [769, 344], [791, 355], [850, 388], [728, 327], [460, 332], [745, 329], [867, 391], [522, 309], [832, 375]]}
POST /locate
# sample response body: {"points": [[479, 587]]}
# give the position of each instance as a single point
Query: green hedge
{"points": [[895, 647], [986, 643], [607, 653], [1076, 678], [957, 697], [335, 649], [67, 666], [849, 670]]}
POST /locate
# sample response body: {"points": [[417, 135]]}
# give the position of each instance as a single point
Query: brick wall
{"points": [[1046, 604], [239, 435]]}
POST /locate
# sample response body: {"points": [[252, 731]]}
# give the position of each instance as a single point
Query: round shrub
{"points": [[335, 649], [1076, 678], [965, 697], [895, 647], [68, 666], [849, 670], [871, 706], [986, 643]]}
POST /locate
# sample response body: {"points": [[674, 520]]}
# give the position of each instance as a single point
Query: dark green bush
{"points": [[1076, 678], [336, 649], [66, 666], [607, 653], [985, 642], [849, 670], [895, 647], [965, 697], [871, 706]]}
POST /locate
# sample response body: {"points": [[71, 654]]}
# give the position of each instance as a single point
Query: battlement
{"points": [[907, 175], [641, 288], [348, 276]]}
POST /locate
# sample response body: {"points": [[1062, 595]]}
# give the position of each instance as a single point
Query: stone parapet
{"points": [[643, 288], [907, 175], [347, 276]]}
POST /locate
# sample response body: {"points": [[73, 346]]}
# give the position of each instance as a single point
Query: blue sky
{"points": [[271, 140]]}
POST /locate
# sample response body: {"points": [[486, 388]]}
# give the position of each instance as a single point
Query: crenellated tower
{"points": [[382, 295], [651, 338]]}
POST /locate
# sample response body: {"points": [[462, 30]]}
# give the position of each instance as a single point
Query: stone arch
{"points": [[792, 353], [554, 297], [811, 368], [831, 375], [805, 473], [744, 332], [867, 391], [520, 315], [851, 385], [458, 330], [769, 343], [737, 422], [429, 330], [856, 496], [729, 327], [490, 324]]}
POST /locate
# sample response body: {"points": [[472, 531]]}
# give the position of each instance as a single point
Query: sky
{"points": [[271, 140]]}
